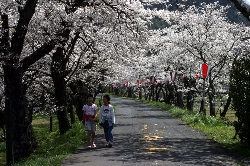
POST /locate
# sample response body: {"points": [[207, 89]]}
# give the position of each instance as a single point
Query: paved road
{"points": [[146, 136]]}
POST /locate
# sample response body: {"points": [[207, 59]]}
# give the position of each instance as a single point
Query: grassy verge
{"points": [[2, 154], [53, 147], [211, 126]]}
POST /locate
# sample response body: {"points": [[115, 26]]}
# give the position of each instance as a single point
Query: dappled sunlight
{"points": [[156, 149], [145, 127], [149, 138], [40, 121]]}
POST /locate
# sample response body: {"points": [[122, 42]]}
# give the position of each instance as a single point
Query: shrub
{"points": [[240, 92]]}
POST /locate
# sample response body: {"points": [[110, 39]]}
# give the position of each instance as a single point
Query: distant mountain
{"points": [[233, 14]]}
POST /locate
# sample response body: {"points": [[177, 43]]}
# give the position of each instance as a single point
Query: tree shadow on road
{"points": [[183, 150]]}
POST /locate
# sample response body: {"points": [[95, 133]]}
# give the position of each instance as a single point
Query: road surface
{"points": [[147, 136]]}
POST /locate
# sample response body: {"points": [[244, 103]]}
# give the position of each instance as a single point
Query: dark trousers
{"points": [[108, 131], [108, 134]]}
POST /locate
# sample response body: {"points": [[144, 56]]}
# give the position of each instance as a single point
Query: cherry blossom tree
{"points": [[210, 45], [42, 31], [196, 36]]}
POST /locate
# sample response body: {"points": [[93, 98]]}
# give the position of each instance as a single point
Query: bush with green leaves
{"points": [[240, 92]]}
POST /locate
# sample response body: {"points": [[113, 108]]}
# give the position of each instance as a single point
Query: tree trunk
{"points": [[190, 101], [62, 117], [129, 90], [175, 90], [202, 108], [116, 91], [4, 48], [211, 96], [21, 140], [170, 97], [140, 93], [224, 112], [50, 123], [153, 91], [77, 88], [180, 99], [58, 75], [211, 103], [72, 115], [164, 93], [158, 92], [145, 90]]}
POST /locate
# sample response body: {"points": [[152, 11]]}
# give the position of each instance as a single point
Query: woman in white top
{"points": [[107, 119]]}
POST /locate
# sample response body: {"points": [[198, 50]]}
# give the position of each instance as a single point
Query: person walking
{"points": [[107, 119], [89, 120]]}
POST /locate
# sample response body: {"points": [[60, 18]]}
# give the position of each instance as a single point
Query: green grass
{"points": [[211, 126], [2, 153], [53, 147]]}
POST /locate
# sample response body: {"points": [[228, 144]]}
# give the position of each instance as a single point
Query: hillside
{"points": [[233, 14]]}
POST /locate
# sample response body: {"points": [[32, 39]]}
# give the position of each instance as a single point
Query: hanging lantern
{"points": [[173, 75], [152, 79], [138, 81], [126, 84], [204, 70], [197, 76]]}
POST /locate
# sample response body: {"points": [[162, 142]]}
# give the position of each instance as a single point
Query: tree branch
{"points": [[38, 54], [22, 27]]}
